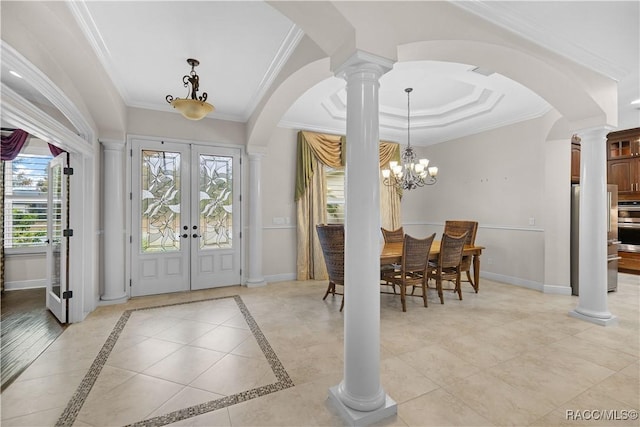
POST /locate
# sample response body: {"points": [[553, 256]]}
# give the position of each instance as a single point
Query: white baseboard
{"points": [[285, 277], [557, 289], [25, 284], [512, 281]]}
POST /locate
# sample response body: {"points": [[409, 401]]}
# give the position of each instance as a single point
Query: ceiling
{"points": [[242, 45]]}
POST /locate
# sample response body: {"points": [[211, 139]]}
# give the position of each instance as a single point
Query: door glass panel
{"points": [[160, 210], [216, 198], [56, 226]]}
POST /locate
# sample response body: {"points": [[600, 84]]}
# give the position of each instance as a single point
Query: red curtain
{"points": [[12, 144]]}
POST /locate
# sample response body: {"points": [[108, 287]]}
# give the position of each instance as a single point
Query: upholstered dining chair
{"points": [[331, 237], [458, 227], [390, 236], [413, 270], [449, 262]]}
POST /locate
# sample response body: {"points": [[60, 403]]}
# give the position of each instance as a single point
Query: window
{"points": [[335, 195], [25, 203]]}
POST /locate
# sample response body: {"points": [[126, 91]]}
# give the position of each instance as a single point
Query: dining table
{"points": [[392, 254]]}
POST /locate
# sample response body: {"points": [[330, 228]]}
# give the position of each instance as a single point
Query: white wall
{"points": [[498, 179], [278, 186]]}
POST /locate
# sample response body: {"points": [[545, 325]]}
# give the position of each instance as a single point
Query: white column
{"points": [[255, 218], [114, 228], [360, 396], [592, 270]]}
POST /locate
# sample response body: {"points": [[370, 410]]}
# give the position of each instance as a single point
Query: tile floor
{"points": [[266, 357]]}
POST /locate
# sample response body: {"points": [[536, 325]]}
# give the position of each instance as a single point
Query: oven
{"points": [[629, 225]]}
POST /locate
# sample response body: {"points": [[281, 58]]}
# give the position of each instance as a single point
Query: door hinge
{"points": [[67, 171], [241, 272], [130, 239], [241, 234], [68, 232], [130, 282], [131, 152], [67, 295], [240, 197], [130, 196]]}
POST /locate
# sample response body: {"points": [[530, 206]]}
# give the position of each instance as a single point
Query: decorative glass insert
{"points": [[56, 221], [216, 199], [160, 208]]}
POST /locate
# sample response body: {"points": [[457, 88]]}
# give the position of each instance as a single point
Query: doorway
{"points": [[185, 217]]}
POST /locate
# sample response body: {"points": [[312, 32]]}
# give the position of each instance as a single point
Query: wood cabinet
{"points": [[629, 262], [623, 162], [575, 162]]}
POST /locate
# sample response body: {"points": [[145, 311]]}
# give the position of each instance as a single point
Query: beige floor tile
{"points": [[48, 417], [439, 365], [185, 398], [249, 348], [143, 355], [403, 382], [185, 331], [39, 394], [129, 402], [219, 418], [587, 408], [623, 388], [603, 356], [233, 374], [498, 401], [184, 365], [439, 408], [223, 339]]}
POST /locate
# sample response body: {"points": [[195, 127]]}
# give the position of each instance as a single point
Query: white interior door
{"points": [[57, 222], [185, 201]]}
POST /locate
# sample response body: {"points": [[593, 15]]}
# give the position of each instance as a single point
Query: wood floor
{"points": [[27, 329]]}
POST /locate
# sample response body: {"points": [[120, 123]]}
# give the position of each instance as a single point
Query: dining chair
{"points": [[413, 270], [390, 236], [454, 227], [449, 263], [331, 237]]}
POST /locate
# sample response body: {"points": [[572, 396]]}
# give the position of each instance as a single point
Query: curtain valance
{"points": [[329, 150]]}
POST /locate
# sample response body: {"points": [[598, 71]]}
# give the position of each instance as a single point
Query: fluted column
{"points": [[255, 218], [592, 270], [114, 225], [360, 396]]}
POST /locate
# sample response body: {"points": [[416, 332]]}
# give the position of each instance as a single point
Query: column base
{"points": [[610, 321], [113, 300], [359, 418], [256, 283]]}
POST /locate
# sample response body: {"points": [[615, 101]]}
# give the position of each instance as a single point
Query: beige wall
{"points": [[25, 271], [278, 183]]}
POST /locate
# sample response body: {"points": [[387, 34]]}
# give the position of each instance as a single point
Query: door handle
{"points": [[185, 235], [195, 235]]}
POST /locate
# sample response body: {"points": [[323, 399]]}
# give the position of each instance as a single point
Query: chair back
{"points": [[391, 236], [415, 253], [451, 249], [331, 239], [457, 227]]}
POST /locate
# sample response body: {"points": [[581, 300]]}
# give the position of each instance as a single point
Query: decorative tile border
{"points": [[74, 406]]}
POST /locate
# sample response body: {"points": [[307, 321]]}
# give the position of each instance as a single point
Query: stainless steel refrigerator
{"points": [[612, 238]]}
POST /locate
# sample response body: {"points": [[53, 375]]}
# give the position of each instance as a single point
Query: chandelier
{"points": [[412, 173], [193, 107]]}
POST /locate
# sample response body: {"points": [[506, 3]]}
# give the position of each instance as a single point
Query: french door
{"points": [[57, 238], [186, 217]]}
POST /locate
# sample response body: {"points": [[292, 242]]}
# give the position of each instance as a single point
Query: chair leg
{"points": [[439, 286], [403, 291], [342, 305], [424, 291], [471, 280], [459, 285], [330, 289]]}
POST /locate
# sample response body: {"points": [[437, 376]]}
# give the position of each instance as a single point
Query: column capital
{"points": [[362, 60], [112, 144], [597, 133], [256, 151]]}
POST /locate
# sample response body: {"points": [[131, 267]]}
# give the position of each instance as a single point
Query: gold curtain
{"points": [[314, 151]]}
